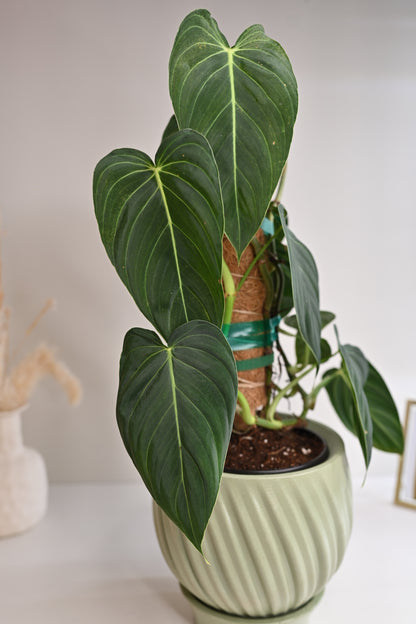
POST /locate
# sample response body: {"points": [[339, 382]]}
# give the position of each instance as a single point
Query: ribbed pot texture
{"points": [[273, 541]]}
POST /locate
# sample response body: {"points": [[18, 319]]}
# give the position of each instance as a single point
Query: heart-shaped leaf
{"points": [[387, 430], [305, 288], [244, 100], [162, 226], [356, 369], [175, 410]]}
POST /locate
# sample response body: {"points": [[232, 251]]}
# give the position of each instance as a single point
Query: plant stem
{"points": [[284, 332], [253, 262], [245, 413], [229, 292], [276, 424], [281, 185], [325, 381], [310, 399], [289, 367], [280, 395], [230, 295]]}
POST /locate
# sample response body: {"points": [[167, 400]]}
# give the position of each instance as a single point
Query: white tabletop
{"points": [[94, 559]]}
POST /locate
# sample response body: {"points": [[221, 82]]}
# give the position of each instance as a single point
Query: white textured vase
{"points": [[273, 541], [23, 479]]}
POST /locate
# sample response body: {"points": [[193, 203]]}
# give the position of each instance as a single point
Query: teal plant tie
{"points": [[251, 335], [259, 362], [267, 226]]}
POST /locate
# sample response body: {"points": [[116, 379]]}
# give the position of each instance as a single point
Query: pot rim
{"points": [[323, 455], [335, 447]]}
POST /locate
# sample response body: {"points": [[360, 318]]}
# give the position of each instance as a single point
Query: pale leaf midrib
{"points": [[234, 136], [176, 412], [175, 251]]}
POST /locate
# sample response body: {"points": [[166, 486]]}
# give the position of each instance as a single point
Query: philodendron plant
{"points": [[163, 222]]}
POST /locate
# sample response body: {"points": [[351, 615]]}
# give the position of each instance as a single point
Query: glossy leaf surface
{"points": [[356, 369], [162, 226], [175, 411], [387, 430], [305, 288], [244, 100]]}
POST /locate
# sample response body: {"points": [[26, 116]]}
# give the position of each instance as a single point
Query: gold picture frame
{"points": [[406, 479]]}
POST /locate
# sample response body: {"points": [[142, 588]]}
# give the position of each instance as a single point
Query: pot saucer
{"points": [[203, 614]]}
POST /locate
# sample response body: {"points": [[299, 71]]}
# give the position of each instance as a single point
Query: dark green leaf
{"points": [[286, 303], [304, 354], [342, 398], [244, 100], [326, 318], [171, 128], [279, 258], [291, 321], [175, 410], [387, 430], [356, 370], [273, 216], [162, 227], [305, 287], [325, 350]]}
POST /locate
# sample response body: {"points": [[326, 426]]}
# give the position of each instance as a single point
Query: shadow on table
{"points": [[66, 599], [168, 591]]}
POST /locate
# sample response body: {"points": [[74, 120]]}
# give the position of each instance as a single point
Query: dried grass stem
{"points": [[17, 385]]}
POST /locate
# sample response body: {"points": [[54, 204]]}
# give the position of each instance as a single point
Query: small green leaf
{"points": [[387, 430], [279, 258], [291, 321], [305, 287], [175, 410], [304, 354], [244, 100], [356, 370], [326, 318], [162, 226], [325, 350]]}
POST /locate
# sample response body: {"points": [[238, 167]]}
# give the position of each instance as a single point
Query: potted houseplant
{"points": [[202, 243]]}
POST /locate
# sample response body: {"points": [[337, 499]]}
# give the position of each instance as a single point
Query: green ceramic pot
{"points": [[273, 540]]}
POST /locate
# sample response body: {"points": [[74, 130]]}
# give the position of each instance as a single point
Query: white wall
{"points": [[80, 78]]}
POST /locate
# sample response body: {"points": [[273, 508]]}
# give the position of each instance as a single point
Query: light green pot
{"points": [[272, 543]]}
